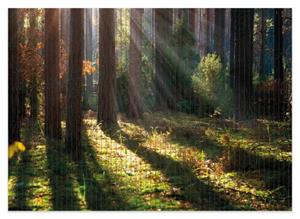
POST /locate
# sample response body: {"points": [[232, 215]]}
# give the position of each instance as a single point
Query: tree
{"points": [[64, 55], [52, 88], [241, 60], [135, 63], [262, 45], [278, 49], [88, 46], [163, 28], [278, 62], [33, 80], [107, 80], [192, 14], [73, 124], [13, 79], [219, 32]]}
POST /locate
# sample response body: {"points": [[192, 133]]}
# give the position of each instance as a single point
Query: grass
{"points": [[166, 161]]}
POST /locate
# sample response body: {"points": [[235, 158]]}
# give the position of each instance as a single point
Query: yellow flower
{"points": [[20, 146], [11, 151], [17, 146]]}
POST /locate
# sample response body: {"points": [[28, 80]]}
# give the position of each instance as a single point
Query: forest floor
{"points": [[166, 161]]}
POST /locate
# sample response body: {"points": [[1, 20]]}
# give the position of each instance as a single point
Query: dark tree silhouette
{"points": [[278, 62], [33, 83], [52, 88], [163, 28], [262, 44], [107, 80], [219, 32], [241, 61], [13, 79], [73, 125]]}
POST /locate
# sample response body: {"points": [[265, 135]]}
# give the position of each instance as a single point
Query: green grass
{"points": [[166, 161]]}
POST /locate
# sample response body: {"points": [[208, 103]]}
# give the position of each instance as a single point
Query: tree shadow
{"points": [[61, 183], [97, 184], [22, 179], [23, 172], [198, 192]]}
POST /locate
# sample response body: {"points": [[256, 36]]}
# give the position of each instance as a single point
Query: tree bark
{"points": [[64, 62], [278, 64], [52, 88], [262, 46], [220, 32], [107, 81], [13, 79], [135, 63], [73, 125], [33, 82], [89, 48], [278, 50], [163, 28], [242, 19], [192, 26]]}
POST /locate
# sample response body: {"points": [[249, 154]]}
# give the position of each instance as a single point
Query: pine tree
{"points": [[13, 79], [107, 80], [52, 88], [135, 63], [241, 61], [73, 124]]}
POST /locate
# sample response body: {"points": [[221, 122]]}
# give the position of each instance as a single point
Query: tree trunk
{"points": [[192, 26], [278, 50], [220, 32], [278, 63], [107, 81], [262, 46], [207, 31], [13, 80], [23, 83], [73, 125], [242, 20], [135, 63], [33, 82], [52, 88], [89, 48], [64, 57], [163, 28]]}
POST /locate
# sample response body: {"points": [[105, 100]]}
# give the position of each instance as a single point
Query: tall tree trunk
{"points": [[33, 82], [73, 125], [13, 79], [192, 26], [220, 32], [242, 20], [52, 88], [135, 63], [233, 21], [107, 81], [23, 83], [262, 45], [278, 50], [89, 48], [278, 63], [207, 31], [64, 56], [163, 27], [219, 38]]}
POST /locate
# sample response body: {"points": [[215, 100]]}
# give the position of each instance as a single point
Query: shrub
{"points": [[209, 84]]}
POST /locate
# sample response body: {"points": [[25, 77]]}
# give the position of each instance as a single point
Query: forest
{"points": [[123, 109]]}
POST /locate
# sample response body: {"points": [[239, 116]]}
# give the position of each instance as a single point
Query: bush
{"points": [[209, 84]]}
